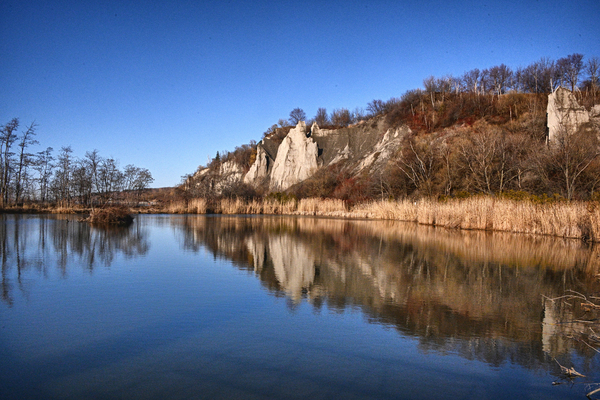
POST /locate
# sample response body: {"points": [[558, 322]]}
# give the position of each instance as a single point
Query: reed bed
{"points": [[315, 206], [579, 220], [563, 219], [193, 206]]}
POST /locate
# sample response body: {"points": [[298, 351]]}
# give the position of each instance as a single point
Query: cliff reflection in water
{"points": [[434, 284], [44, 243]]}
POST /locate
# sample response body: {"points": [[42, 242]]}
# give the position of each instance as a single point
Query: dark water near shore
{"points": [[189, 307]]}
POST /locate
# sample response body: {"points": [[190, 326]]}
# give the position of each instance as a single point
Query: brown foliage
{"points": [[113, 215]]}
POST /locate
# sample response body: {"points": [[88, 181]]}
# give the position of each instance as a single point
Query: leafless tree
{"points": [[470, 81], [567, 158], [570, 68], [63, 175], [500, 77], [376, 107], [419, 161], [43, 165], [321, 118], [8, 136], [297, 115], [341, 117], [25, 160]]}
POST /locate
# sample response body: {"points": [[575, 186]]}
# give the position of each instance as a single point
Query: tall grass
{"points": [[562, 219], [316, 206], [193, 206]]}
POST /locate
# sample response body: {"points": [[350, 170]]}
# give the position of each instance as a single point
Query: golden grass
{"points": [[316, 206], [568, 220], [579, 220]]}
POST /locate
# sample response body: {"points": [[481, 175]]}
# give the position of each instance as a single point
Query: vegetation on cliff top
{"points": [[481, 133]]}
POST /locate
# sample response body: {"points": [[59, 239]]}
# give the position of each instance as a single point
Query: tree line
{"points": [[482, 132], [540, 77], [62, 178]]}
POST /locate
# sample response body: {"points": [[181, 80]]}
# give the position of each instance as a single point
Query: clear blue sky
{"points": [[165, 84]]}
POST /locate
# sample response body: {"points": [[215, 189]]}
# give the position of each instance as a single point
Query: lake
{"points": [[271, 307]]}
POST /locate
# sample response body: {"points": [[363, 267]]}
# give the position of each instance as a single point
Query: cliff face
{"points": [[361, 148], [564, 113], [296, 159]]}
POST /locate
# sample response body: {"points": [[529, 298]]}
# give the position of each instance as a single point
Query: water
{"points": [[187, 307]]}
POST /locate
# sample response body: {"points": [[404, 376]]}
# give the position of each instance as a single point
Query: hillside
{"points": [[423, 145]]}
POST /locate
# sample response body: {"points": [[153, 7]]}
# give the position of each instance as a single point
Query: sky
{"points": [[164, 85]]}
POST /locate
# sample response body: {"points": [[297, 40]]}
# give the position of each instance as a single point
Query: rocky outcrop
{"points": [[259, 170], [565, 115], [296, 159], [286, 158]]}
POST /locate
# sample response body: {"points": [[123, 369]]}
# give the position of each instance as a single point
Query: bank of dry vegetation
{"points": [[538, 216], [477, 158]]}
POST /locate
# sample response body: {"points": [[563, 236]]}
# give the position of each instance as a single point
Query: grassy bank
{"points": [[578, 220]]}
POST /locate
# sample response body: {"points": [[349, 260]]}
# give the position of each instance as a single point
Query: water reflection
{"points": [[41, 243], [480, 295]]}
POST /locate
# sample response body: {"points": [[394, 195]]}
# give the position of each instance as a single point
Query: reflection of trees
{"points": [[37, 242], [437, 285]]}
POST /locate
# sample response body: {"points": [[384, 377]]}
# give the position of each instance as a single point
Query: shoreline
{"points": [[572, 220]]}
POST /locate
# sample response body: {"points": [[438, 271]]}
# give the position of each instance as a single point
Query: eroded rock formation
{"points": [[279, 164], [296, 159], [565, 115]]}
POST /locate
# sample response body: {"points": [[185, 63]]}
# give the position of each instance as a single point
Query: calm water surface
{"points": [[194, 307]]}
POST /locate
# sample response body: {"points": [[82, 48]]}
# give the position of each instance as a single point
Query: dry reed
{"points": [[316, 206], [567, 220], [562, 219]]}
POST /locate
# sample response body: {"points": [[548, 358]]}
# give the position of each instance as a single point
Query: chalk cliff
{"points": [[283, 160], [364, 147], [296, 159], [565, 114]]}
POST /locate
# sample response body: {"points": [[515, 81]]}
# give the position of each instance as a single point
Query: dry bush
{"points": [[115, 215]]}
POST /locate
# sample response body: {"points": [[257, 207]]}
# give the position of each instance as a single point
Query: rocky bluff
{"points": [[280, 164]]}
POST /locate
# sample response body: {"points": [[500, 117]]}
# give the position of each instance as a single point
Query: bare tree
{"points": [[43, 165], [570, 68], [491, 159], [419, 161], [322, 118], [593, 70], [110, 178], [500, 77], [63, 176], [25, 160], [567, 158], [8, 136], [82, 182], [297, 115], [341, 117], [430, 85], [376, 107], [470, 81]]}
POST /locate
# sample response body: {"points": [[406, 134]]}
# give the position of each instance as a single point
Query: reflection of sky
{"points": [[185, 324]]}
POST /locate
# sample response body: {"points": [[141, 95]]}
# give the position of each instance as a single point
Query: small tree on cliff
{"points": [[297, 115], [321, 118]]}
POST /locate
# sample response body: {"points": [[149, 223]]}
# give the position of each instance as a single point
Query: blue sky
{"points": [[164, 85]]}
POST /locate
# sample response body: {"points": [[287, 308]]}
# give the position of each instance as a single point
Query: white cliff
{"points": [[258, 171], [564, 113], [296, 159]]}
